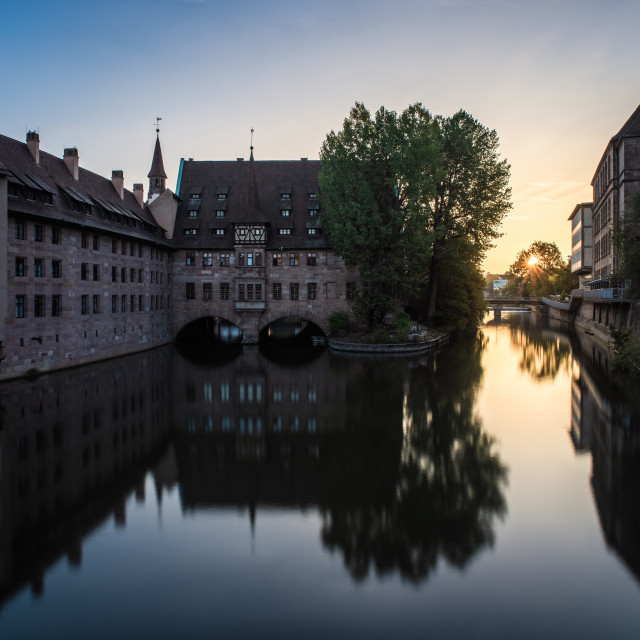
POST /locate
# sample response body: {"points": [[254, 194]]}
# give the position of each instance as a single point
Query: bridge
{"points": [[497, 304]]}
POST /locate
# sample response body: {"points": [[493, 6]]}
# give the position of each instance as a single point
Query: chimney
{"points": [[117, 179], [138, 192], [33, 143], [71, 160]]}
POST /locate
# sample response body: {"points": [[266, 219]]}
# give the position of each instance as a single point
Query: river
{"points": [[490, 491]]}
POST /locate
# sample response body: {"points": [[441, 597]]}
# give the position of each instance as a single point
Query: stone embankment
{"points": [[420, 343]]}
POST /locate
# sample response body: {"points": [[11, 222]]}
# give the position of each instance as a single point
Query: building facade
{"points": [[581, 219], [615, 182], [94, 271]]}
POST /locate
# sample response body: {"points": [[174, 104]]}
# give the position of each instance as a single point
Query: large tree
{"points": [[401, 192]]}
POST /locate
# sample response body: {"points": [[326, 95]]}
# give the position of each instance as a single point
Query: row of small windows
{"points": [[221, 213], [602, 247], [123, 303], [250, 259], [222, 195], [250, 425], [603, 216], [38, 267], [126, 247], [254, 291], [282, 231]]}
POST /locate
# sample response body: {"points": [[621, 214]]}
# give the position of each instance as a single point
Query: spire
{"points": [[157, 175], [252, 212]]}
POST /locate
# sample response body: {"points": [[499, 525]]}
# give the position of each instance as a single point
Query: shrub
{"points": [[338, 321]]}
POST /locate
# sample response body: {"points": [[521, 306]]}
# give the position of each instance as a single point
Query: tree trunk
{"points": [[433, 291]]}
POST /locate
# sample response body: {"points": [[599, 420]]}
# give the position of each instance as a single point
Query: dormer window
{"points": [[193, 213], [12, 189], [313, 213], [195, 196], [284, 232], [285, 213], [190, 232], [222, 197], [285, 196], [313, 196], [219, 213]]}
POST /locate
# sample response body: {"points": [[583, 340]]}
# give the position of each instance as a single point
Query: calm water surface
{"points": [[489, 491]]}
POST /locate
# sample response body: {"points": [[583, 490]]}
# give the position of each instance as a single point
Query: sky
{"points": [[555, 78]]}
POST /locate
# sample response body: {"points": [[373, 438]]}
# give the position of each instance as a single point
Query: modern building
{"points": [[581, 219], [94, 271], [615, 182]]}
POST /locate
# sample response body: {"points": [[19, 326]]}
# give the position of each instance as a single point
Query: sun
{"points": [[533, 261]]}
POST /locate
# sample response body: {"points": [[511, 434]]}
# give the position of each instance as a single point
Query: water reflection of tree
{"points": [[542, 356], [432, 493]]}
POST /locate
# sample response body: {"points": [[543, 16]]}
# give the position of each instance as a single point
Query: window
{"points": [[294, 259], [56, 305], [294, 291], [219, 213], [313, 213], [55, 268], [132, 249], [96, 304], [38, 306], [284, 231], [219, 232], [20, 267], [123, 303], [240, 292], [313, 196], [114, 245], [132, 303], [83, 240], [225, 259], [55, 235], [351, 291], [207, 291], [139, 275], [249, 259], [190, 232], [277, 291], [140, 302], [83, 271], [241, 260], [124, 248], [21, 308], [224, 291], [285, 213], [311, 259], [19, 230], [96, 272], [207, 260], [277, 260], [191, 259], [313, 232], [12, 189], [190, 290], [193, 213], [285, 195], [312, 289], [37, 233], [114, 304], [258, 292], [84, 301], [194, 196], [96, 243], [132, 275], [123, 274], [258, 259], [222, 197], [249, 292], [114, 274]]}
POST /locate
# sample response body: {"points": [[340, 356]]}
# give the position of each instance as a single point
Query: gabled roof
{"points": [[109, 211], [631, 128], [157, 166]]}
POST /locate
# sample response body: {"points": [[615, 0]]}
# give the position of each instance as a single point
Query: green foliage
{"points": [[626, 346], [338, 321], [627, 240], [403, 326], [541, 270], [398, 189]]}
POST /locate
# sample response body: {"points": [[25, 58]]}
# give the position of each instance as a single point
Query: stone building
{"points": [[94, 271], [616, 181]]}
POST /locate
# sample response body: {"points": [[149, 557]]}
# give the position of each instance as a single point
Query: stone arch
{"points": [[187, 318], [294, 312]]}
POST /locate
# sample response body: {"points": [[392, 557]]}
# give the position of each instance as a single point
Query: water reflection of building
{"points": [[608, 425], [73, 444]]}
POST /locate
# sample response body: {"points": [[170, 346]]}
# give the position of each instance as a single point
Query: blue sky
{"points": [[555, 78]]}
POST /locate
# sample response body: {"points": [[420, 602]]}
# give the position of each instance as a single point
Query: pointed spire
{"points": [[156, 176], [253, 212]]}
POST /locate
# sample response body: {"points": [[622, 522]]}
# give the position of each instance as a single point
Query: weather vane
{"points": [[158, 124], [251, 139]]}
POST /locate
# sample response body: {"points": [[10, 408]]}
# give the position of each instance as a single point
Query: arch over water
{"points": [[304, 314], [209, 329]]}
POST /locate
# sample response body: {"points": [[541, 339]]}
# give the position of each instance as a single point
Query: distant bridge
{"points": [[497, 304]]}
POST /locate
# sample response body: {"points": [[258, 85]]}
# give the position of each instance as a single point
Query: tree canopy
{"points": [[541, 270], [403, 193]]}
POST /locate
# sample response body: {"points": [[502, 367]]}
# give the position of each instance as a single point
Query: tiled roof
{"points": [[232, 179], [52, 176], [631, 127]]}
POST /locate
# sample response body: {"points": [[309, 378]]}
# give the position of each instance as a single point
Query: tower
{"points": [[157, 176]]}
